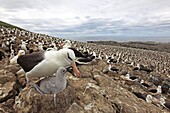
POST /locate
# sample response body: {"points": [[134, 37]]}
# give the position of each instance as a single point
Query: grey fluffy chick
{"points": [[52, 84]]}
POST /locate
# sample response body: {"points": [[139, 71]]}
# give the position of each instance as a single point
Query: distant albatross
{"points": [[15, 58], [43, 64]]}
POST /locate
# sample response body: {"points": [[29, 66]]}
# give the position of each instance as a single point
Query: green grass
{"points": [[9, 25]]}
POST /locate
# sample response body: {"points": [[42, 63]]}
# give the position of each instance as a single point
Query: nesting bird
{"points": [[137, 67], [144, 96], [14, 59], [111, 60], [40, 47], [158, 90], [113, 69], [82, 58], [77, 53], [165, 103], [85, 60], [144, 84], [67, 44], [110, 69], [43, 64], [23, 46], [53, 84], [130, 77]]}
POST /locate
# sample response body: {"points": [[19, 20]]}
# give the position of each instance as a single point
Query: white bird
{"points": [[165, 103], [55, 47], [148, 98], [113, 69], [94, 54], [99, 57], [43, 64], [14, 59], [52, 84], [144, 84], [40, 47], [158, 90], [7, 43], [67, 44], [23, 46], [3, 45], [130, 77]]}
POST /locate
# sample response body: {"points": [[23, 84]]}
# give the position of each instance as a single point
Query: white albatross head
{"points": [[21, 52], [159, 89], [162, 101], [149, 98], [67, 44], [70, 58]]}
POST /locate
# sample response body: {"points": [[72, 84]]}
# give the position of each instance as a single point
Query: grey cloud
{"points": [[93, 27], [135, 18], [14, 5]]}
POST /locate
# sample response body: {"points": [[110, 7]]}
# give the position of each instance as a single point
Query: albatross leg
{"points": [[36, 87]]}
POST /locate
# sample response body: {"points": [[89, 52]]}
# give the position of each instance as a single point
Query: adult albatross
{"points": [[43, 64]]}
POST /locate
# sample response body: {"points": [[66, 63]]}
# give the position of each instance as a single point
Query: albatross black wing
{"points": [[28, 62], [77, 53]]}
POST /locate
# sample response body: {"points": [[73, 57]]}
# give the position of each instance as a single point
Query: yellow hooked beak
{"points": [[76, 71]]}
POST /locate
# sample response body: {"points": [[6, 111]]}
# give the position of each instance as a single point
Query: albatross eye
{"points": [[69, 56], [64, 71]]}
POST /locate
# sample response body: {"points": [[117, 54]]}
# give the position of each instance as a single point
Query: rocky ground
{"points": [[93, 92]]}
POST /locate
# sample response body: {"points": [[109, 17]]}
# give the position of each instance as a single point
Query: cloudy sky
{"points": [[120, 20]]}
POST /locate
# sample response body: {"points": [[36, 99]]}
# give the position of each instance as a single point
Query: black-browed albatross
{"points": [[43, 64]]}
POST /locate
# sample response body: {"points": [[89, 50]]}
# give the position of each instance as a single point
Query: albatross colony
{"points": [[43, 64]]}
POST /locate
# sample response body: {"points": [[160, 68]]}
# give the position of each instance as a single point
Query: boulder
{"points": [[103, 94], [30, 100], [8, 91], [7, 85], [12, 68]]}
